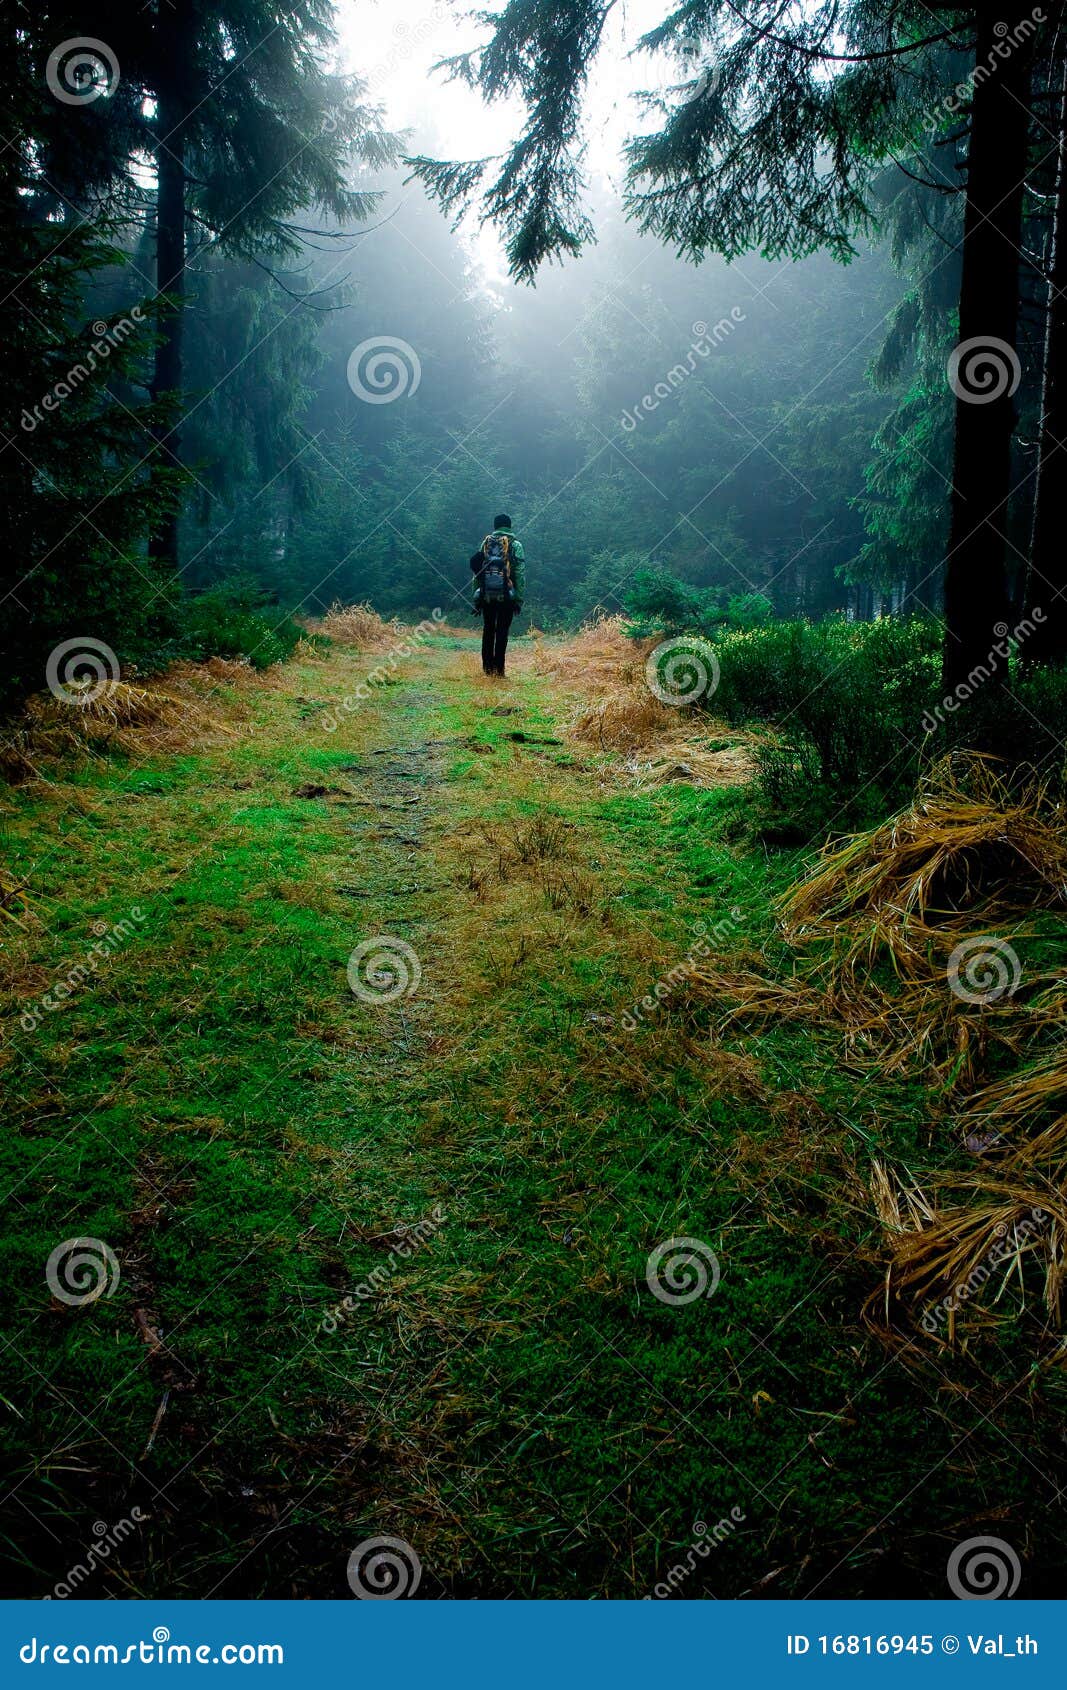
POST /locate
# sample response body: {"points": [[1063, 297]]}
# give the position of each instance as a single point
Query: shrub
{"points": [[847, 699], [235, 619], [659, 603], [748, 610]]}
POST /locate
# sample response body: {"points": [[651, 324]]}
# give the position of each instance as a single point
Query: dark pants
{"points": [[496, 620]]}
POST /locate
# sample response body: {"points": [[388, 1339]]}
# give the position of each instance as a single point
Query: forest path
{"points": [[369, 1109]]}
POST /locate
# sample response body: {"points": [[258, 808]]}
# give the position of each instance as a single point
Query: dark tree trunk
{"points": [[785, 593], [170, 255], [976, 596], [1046, 576]]}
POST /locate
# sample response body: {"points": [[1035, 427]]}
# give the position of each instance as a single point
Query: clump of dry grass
{"points": [[879, 934], [1034, 1094], [114, 704], [506, 852], [960, 1249], [603, 670], [893, 921], [542, 839], [625, 720], [598, 658], [693, 759], [969, 849], [358, 625], [228, 670], [569, 890], [133, 716]]}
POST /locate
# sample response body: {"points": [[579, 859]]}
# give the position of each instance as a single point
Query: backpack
{"points": [[496, 579]]}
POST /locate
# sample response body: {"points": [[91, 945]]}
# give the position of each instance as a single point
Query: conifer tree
{"points": [[773, 144]]}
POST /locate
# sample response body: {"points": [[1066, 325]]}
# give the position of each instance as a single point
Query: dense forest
{"points": [[798, 447], [533, 780]]}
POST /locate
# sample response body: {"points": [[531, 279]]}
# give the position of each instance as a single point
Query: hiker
{"points": [[500, 585]]}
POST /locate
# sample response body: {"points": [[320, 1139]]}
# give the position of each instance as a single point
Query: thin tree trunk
{"points": [[170, 257], [976, 596], [1046, 576]]}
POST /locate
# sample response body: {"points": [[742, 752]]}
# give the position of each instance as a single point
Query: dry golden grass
{"points": [[873, 929], [598, 658], [358, 625], [877, 923], [602, 673], [495, 855], [967, 848], [625, 721], [14, 900], [693, 759], [958, 1250], [136, 717]]}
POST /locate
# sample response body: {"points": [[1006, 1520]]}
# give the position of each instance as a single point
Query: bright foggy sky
{"points": [[393, 43]]}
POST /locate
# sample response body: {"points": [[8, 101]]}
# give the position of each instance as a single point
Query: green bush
{"points": [[855, 708], [748, 610], [235, 620], [847, 700], [1025, 724], [659, 603]]}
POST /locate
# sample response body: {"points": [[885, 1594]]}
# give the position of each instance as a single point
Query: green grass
{"points": [[246, 1135]]}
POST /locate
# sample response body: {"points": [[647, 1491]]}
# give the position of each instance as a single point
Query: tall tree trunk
{"points": [[170, 251], [1046, 575], [976, 596]]}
